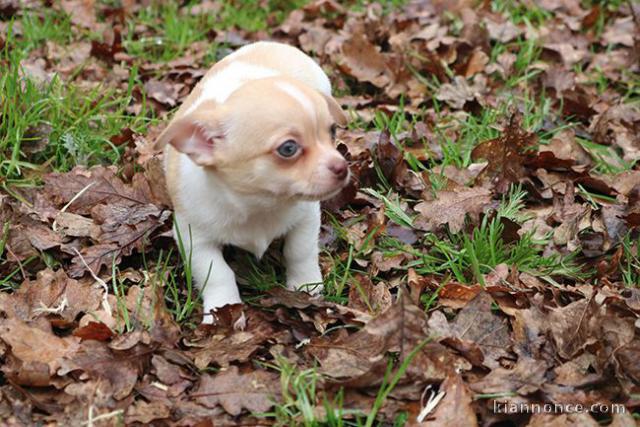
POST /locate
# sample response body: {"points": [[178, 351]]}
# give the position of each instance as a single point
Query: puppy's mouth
{"points": [[326, 194], [321, 196]]}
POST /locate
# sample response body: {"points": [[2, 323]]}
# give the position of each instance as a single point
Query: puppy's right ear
{"points": [[195, 134], [336, 111]]}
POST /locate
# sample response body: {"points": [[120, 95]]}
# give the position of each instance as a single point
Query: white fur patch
{"points": [[299, 96], [303, 68], [221, 85]]}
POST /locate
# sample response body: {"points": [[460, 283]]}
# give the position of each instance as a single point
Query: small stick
{"points": [[105, 287], [54, 226]]}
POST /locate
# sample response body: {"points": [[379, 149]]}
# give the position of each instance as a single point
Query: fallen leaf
{"points": [[455, 407], [118, 370], [234, 391], [506, 155], [162, 91], [82, 12], [367, 297], [525, 378], [222, 349], [93, 258], [574, 326], [458, 93], [36, 355], [363, 60], [451, 208], [504, 31], [620, 32], [145, 413], [94, 331], [54, 293]]}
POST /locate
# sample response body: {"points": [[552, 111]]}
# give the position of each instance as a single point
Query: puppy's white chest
{"points": [[256, 234], [219, 217]]}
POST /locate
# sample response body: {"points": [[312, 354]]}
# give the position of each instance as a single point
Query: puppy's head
{"points": [[271, 137]]}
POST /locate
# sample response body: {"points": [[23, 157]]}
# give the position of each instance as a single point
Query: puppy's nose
{"points": [[340, 168]]}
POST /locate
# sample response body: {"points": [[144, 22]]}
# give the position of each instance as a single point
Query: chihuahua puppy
{"points": [[248, 157]]}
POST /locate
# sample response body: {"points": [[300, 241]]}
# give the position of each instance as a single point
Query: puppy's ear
{"points": [[195, 134], [336, 111]]}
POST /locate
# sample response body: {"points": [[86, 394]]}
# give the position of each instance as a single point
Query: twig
{"points": [[101, 417], [105, 287], [54, 226], [432, 402], [52, 310]]}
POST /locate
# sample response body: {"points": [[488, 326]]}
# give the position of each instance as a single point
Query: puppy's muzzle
{"points": [[340, 169]]}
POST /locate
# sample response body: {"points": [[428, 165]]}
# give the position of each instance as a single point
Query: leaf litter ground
{"points": [[486, 252]]}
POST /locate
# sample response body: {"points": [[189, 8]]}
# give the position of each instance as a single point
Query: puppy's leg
{"points": [[214, 277], [301, 255]]}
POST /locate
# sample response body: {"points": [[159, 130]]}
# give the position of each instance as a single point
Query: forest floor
{"points": [[484, 260]]}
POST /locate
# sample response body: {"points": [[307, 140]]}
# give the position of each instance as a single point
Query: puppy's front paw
{"points": [[312, 288], [212, 318], [209, 317], [212, 304], [312, 285]]}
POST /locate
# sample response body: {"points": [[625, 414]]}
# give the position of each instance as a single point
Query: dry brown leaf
{"points": [[82, 12], [35, 354], [506, 155], [94, 331], [222, 349], [95, 257], [619, 125], [476, 323], [73, 225], [458, 93], [574, 327], [504, 31], [362, 59], [525, 378], [54, 293], [367, 297], [234, 391], [118, 370], [358, 359], [563, 145], [93, 186], [145, 413], [455, 408], [578, 372], [620, 32], [164, 92], [451, 208], [168, 373]]}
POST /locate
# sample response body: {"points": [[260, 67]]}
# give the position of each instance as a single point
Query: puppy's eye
{"points": [[288, 149], [333, 131]]}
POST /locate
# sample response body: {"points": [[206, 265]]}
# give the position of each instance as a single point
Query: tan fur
{"points": [[274, 117]]}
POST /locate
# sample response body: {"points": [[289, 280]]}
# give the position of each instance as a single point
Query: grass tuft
{"points": [[57, 126]]}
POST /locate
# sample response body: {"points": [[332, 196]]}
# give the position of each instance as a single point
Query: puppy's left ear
{"points": [[195, 134], [336, 111]]}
